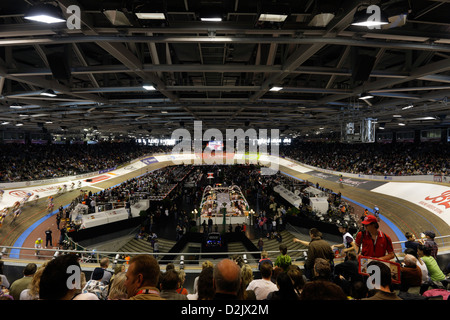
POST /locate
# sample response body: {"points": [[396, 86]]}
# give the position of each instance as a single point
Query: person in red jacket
{"points": [[371, 242]]}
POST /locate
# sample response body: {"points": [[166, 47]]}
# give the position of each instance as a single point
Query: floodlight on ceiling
{"points": [[365, 96], [15, 106], [48, 93], [272, 17], [275, 88], [151, 15], [151, 11], [211, 19], [210, 15], [45, 13], [371, 17], [148, 87], [273, 12], [117, 17]]}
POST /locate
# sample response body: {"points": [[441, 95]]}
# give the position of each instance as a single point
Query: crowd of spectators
{"points": [[393, 159], [143, 277], [23, 162]]}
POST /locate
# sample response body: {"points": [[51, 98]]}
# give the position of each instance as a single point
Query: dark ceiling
{"points": [[221, 73]]}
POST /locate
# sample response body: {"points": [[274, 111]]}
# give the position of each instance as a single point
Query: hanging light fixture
{"points": [[365, 96], [269, 12], [48, 93], [151, 10], [45, 13]]}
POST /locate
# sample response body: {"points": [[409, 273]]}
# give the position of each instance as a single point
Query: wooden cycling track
{"points": [[405, 215]]}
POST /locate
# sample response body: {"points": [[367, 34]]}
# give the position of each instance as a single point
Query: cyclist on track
{"points": [[17, 213], [3, 215], [376, 212]]}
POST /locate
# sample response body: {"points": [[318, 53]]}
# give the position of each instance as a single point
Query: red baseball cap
{"points": [[369, 219]]}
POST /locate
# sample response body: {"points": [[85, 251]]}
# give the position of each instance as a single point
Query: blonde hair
{"points": [[118, 290], [182, 276], [246, 274], [207, 264]]}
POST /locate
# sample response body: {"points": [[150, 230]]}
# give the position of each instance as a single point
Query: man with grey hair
{"points": [[411, 274], [226, 280]]}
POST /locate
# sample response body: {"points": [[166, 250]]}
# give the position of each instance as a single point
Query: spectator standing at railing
{"points": [[430, 243], [317, 248], [411, 242]]}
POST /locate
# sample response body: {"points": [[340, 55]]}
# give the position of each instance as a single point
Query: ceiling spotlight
{"points": [[211, 19], [151, 15], [408, 107], [365, 96], [402, 124], [371, 17], [148, 87], [15, 106], [275, 88], [19, 124], [273, 12], [48, 93], [153, 10], [211, 15], [45, 13]]}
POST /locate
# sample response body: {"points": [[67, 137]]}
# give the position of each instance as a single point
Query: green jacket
{"points": [[434, 271]]}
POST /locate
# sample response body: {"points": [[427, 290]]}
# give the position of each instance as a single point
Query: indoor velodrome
{"points": [[248, 151]]}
